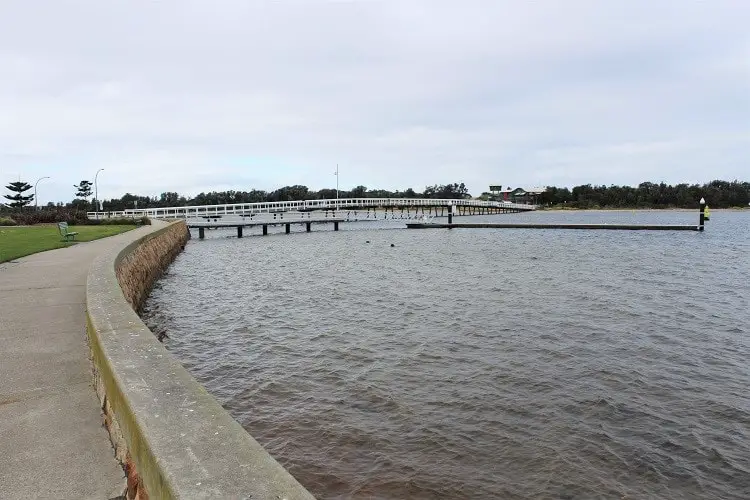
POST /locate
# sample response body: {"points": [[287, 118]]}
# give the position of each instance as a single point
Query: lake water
{"points": [[479, 363]]}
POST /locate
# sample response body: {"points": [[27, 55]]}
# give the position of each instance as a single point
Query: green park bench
{"points": [[67, 235]]}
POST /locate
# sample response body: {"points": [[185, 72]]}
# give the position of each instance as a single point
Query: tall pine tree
{"points": [[83, 189], [17, 199]]}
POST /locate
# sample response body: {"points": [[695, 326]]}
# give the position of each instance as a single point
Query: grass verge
{"points": [[18, 242]]}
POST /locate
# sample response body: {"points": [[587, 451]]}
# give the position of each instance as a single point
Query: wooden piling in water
{"points": [[239, 231], [702, 215], [201, 233]]}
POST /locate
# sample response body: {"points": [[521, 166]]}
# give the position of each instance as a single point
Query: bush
{"points": [[7, 221], [71, 216], [50, 216], [119, 221]]}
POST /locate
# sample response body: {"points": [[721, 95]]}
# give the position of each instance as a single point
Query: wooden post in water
{"points": [[336, 226], [239, 231], [288, 228], [702, 216], [265, 229], [450, 214], [201, 233], [308, 224]]}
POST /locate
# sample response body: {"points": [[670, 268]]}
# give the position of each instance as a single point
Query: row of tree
{"points": [[286, 193], [18, 197], [720, 194]]}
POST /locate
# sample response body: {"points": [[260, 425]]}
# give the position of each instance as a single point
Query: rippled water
{"points": [[480, 363]]}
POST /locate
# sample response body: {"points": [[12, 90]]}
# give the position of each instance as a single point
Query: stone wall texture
{"points": [[138, 270]]}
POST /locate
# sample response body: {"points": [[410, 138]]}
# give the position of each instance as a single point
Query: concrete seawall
{"points": [[173, 438]]}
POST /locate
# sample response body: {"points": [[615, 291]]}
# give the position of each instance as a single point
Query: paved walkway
{"points": [[52, 441]]}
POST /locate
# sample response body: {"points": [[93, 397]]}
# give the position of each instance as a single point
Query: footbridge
{"points": [[356, 208]]}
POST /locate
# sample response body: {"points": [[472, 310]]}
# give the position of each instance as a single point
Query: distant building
{"points": [[527, 196]]}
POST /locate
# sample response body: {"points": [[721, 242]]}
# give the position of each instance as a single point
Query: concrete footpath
{"points": [[52, 440]]}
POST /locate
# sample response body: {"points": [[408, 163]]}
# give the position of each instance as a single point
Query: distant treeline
{"points": [[718, 194], [286, 193]]}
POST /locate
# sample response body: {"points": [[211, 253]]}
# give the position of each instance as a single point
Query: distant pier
{"points": [[240, 224], [621, 227], [633, 227]]}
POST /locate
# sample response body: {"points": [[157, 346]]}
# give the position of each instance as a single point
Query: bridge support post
{"points": [[239, 231], [336, 226], [450, 214], [201, 233], [288, 228], [308, 224], [265, 229]]}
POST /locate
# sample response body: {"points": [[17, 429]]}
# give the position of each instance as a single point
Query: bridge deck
{"points": [[255, 223], [241, 223], [342, 204]]}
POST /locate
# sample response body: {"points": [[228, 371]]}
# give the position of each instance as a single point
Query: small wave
{"points": [[556, 365]]}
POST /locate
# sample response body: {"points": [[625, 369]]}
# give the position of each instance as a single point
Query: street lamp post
{"points": [[96, 193], [36, 201], [337, 185]]}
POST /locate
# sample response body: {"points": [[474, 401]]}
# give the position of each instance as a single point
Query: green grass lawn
{"points": [[18, 242]]}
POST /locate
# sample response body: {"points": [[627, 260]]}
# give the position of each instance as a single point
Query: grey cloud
{"points": [[170, 94]]}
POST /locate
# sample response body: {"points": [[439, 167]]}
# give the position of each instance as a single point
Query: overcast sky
{"points": [[193, 96]]}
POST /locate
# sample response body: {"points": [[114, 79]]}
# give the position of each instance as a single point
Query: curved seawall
{"points": [[173, 438]]}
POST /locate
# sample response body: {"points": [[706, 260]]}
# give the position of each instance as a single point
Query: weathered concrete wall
{"points": [[139, 268], [174, 439]]}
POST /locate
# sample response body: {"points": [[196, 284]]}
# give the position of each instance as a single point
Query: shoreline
{"points": [[639, 209]]}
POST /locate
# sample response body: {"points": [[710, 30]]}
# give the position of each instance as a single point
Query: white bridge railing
{"points": [[276, 218], [303, 205]]}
